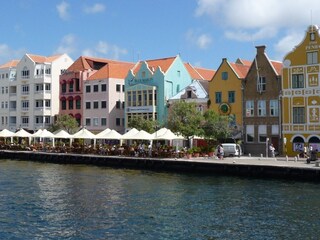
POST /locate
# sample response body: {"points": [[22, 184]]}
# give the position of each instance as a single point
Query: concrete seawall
{"points": [[244, 166]]}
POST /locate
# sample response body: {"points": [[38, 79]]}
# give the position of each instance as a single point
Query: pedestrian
{"points": [[220, 152], [272, 149]]}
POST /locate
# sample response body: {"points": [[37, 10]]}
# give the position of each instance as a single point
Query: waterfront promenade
{"points": [[279, 167]]}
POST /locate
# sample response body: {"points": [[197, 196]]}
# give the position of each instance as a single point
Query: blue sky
{"points": [[201, 31]]}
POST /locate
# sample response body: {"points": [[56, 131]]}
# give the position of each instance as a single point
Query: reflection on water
{"points": [[48, 201]]}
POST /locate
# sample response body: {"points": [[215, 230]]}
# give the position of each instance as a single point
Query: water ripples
{"points": [[48, 201]]}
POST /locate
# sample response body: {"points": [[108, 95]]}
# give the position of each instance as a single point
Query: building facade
{"points": [[150, 84], [104, 97], [34, 91], [301, 95], [86, 103], [225, 92], [261, 115]]}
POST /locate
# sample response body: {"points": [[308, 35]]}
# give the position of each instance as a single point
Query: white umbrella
{"points": [[62, 134], [160, 132], [169, 135], [130, 133], [6, 133], [113, 134], [84, 134], [37, 133], [141, 135], [22, 133], [103, 133]]}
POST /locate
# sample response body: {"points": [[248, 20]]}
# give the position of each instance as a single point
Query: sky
{"points": [[202, 32]]}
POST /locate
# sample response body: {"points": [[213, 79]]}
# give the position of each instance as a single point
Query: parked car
{"points": [[231, 149]]}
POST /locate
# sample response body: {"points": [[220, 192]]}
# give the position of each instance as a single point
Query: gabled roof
{"points": [[207, 74], [196, 87], [163, 63], [85, 63], [244, 62], [43, 59], [193, 72], [12, 63], [240, 69], [112, 70], [277, 66]]}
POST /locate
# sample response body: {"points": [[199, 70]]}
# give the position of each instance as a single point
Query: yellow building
{"points": [[225, 91], [301, 95]]}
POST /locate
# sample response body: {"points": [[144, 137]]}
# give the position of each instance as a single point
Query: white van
{"points": [[231, 149]]}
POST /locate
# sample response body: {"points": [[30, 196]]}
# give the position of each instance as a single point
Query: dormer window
{"points": [[189, 94], [312, 36]]}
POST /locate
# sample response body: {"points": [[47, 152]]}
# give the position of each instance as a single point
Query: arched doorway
{"points": [[298, 144], [315, 143]]}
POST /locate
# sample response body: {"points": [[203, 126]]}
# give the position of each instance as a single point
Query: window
{"points": [[123, 105], [250, 133], [118, 121], [47, 103], [25, 105], [78, 104], [63, 105], [39, 103], [48, 70], [71, 104], [250, 108], [103, 87], [47, 119], [96, 105], [88, 88], [178, 73], [261, 84], [77, 84], [88, 105], [25, 73], [88, 122], [64, 87], [70, 87], [95, 121], [103, 104], [262, 131], [312, 57], [262, 108], [47, 87], [25, 89], [298, 115], [103, 122], [25, 120], [95, 88], [274, 108], [231, 96], [189, 94], [39, 119], [312, 36], [118, 87], [224, 75], [297, 81], [122, 88], [118, 104]]}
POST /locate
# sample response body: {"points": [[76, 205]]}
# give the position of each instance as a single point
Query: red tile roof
{"points": [[244, 62], [277, 66], [240, 69], [12, 63], [163, 63], [43, 59], [207, 74], [112, 70]]}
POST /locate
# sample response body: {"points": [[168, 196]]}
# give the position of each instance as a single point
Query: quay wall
{"points": [[176, 165]]}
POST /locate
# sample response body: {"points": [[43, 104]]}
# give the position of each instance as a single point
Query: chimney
{"points": [[260, 49]]}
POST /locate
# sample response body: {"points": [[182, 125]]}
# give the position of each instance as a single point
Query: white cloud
{"points": [[202, 41], [104, 49], [67, 45], [257, 18], [62, 9], [8, 54], [96, 8], [287, 43]]}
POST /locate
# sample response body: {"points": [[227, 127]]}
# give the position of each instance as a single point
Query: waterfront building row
{"points": [[268, 102]]}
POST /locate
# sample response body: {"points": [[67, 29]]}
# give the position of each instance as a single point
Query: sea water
{"points": [[52, 201]]}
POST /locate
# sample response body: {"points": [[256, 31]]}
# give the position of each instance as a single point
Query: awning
{"points": [[77, 97], [70, 98], [77, 116], [63, 81], [63, 98]]}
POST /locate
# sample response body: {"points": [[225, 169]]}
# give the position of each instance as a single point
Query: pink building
{"points": [[90, 89]]}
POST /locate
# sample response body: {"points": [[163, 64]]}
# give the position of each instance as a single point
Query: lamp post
{"points": [[267, 143]]}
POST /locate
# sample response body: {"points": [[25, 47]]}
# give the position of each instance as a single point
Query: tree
{"points": [[65, 122], [141, 123], [184, 118], [215, 126]]}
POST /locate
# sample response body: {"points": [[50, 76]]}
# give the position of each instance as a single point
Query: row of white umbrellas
{"points": [[133, 134]]}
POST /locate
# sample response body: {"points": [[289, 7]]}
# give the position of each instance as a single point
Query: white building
{"points": [[31, 91]]}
